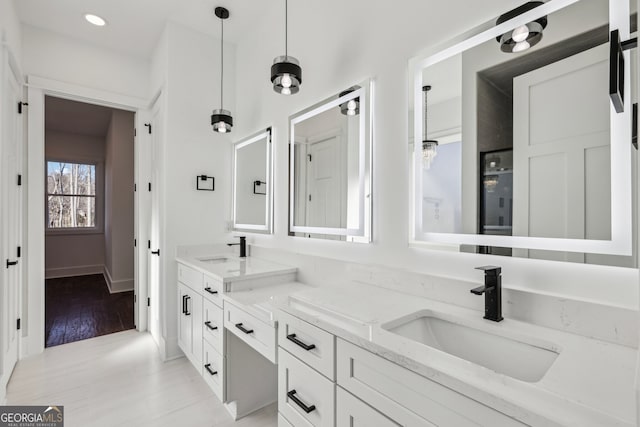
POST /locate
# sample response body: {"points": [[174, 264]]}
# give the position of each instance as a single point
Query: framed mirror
{"points": [[330, 167], [253, 183], [519, 150]]}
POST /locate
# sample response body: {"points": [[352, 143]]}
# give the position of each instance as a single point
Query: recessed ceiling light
{"points": [[95, 20]]}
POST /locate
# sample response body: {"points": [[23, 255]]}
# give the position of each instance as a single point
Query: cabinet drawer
{"points": [[310, 344], [381, 384], [352, 412], [282, 421], [256, 333], [305, 397], [213, 325], [213, 370], [212, 290], [190, 277]]}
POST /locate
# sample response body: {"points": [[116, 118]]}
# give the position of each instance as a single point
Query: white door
{"points": [[153, 243], [326, 192], [562, 166], [11, 212]]}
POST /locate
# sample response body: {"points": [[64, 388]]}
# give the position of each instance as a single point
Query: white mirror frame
{"points": [[255, 228], [621, 187], [365, 93]]}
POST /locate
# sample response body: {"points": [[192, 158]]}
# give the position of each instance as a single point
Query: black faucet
{"points": [[243, 246], [492, 291]]}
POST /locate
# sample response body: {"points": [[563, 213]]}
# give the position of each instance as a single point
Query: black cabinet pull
{"points": [[10, 263], [186, 305], [211, 291], [292, 338], [208, 325], [292, 395], [156, 252], [246, 331], [208, 368]]}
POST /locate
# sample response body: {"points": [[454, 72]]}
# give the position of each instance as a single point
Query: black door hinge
{"points": [[135, 187], [135, 243], [18, 324], [135, 298], [20, 105], [309, 156], [19, 179], [148, 244], [148, 302], [309, 197], [148, 125], [19, 251], [149, 186], [135, 132]]}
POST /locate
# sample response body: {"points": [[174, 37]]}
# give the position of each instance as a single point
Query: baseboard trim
{"points": [[116, 286], [79, 270], [171, 349]]}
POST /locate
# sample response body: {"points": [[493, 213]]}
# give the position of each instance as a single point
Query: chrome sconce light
{"points": [[525, 36], [221, 119], [286, 73]]}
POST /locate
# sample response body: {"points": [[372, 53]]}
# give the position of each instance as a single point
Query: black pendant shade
{"points": [[221, 119], [286, 73], [352, 106], [525, 36]]}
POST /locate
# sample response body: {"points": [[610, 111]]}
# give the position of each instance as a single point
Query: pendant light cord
{"points": [[222, 64], [286, 28]]}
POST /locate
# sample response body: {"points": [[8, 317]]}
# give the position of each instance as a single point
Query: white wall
{"points": [[119, 229], [334, 57], [188, 64], [65, 59], [74, 254], [10, 30]]}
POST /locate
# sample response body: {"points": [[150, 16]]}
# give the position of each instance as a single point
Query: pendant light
{"points": [[352, 106], [429, 146], [221, 119], [525, 36], [286, 74]]}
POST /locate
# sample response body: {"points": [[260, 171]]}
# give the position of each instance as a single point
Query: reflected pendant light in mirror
{"points": [[221, 119], [286, 73], [525, 36], [352, 106], [429, 146]]}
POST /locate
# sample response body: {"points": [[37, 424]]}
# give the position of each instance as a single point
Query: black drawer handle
{"points": [[208, 368], [292, 395], [211, 291], [246, 331], [208, 325], [186, 305], [10, 263], [292, 338]]}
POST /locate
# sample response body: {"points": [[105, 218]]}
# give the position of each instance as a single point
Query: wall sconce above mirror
{"points": [[330, 167], [252, 184], [533, 160]]}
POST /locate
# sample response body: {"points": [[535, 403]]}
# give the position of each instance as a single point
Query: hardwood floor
{"points": [[119, 380], [78, 308]]}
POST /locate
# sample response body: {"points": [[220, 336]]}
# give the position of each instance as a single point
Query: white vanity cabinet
{"points": [[189, 327], [367, 389]]}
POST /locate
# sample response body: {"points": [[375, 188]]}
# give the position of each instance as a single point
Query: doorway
{"points": [[89, 220]]}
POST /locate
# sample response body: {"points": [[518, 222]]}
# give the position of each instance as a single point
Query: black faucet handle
{"points": [[490, 269], [479, 290]]}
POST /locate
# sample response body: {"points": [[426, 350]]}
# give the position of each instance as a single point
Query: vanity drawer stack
{"points": [[201, 330], [306, 374]]}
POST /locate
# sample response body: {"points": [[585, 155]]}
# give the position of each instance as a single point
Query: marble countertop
{"points": [[591, 383], [234, 268]]}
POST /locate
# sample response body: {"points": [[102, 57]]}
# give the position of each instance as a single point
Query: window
{"points": [[71, 195]]}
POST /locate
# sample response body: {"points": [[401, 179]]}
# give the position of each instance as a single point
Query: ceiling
{"points": [[134, 26], [67, 116]]}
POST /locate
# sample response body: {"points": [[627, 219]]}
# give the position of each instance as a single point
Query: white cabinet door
{"points": [[352, 412], [184, 322], [190, 324]]}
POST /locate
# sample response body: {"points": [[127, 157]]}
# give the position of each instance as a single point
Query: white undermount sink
{"points": [[214, 259], [518, 357]]}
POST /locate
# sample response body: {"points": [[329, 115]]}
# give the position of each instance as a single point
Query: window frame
{"points": [[99, 196]]}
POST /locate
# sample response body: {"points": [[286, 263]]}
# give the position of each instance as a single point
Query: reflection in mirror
{"points": [[331, 168], [252, 184], [524, 140]]}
